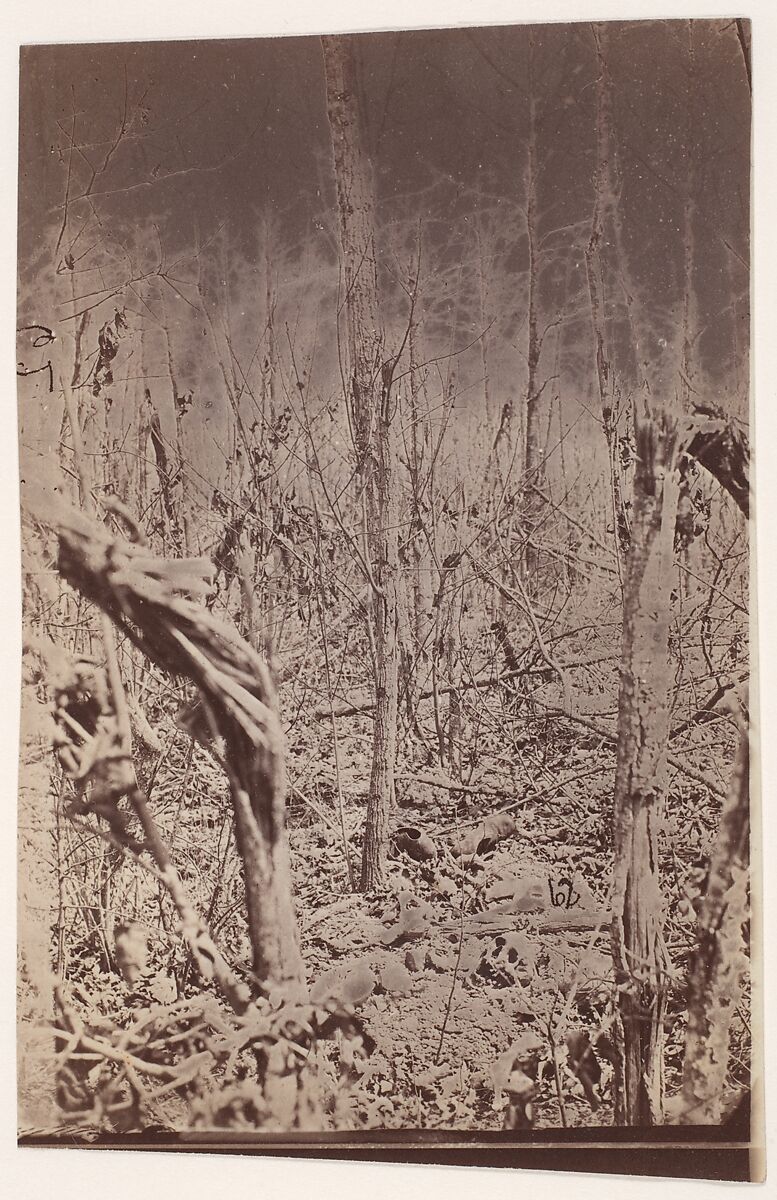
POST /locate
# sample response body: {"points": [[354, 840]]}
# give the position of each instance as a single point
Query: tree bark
{"points": [[157, 604], [533, 456], [605, 228], [533, 450], [719, 966], [638, 949], [371, 411], [422, 483]]}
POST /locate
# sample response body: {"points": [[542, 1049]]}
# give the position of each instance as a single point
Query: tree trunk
{"points": [[420, 461], [532, 459], [690, 314], [605, 230], [534, 451], [39, 913], [157, 604], [719, 967], [370, 380], [643, 728]]}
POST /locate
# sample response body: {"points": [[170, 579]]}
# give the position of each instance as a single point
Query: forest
{"points": [[383, 411]]}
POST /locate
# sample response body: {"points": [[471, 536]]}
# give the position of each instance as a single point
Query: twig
{"points": [[365, 707], [557, 1075], [98, 1046]]}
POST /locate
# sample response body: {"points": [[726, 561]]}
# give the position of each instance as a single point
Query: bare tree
{"points": [[638, 947], [369, 382]]}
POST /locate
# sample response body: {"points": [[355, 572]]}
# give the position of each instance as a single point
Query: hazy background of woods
{"points": [[559, 219]]}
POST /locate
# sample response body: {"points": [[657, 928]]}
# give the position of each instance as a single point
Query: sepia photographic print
{"points": [[384, 448]]}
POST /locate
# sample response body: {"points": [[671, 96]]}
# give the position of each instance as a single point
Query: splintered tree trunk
{"points": [[157, 604], [643, 729], [371, 411]]}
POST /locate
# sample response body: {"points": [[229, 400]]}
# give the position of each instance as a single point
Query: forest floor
{"points": [[490, 944]]}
